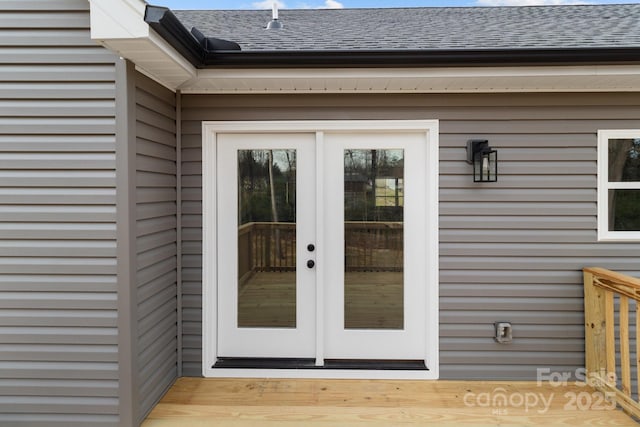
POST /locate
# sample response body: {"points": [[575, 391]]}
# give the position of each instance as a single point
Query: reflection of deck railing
{"points": [[271, 246], [373, 246], [266, 246], [601, 290]]}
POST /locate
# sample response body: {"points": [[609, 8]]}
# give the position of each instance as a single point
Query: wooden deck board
{"points": [[372, 300], [198, 402]]}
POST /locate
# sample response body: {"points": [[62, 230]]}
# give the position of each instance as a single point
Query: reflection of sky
{"points": [[280, 159], [395, 155]]}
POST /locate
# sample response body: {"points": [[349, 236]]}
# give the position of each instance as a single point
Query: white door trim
{"points": [[210, 129]]}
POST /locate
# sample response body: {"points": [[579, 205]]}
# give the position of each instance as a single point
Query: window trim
{"points": [[604, 234]]}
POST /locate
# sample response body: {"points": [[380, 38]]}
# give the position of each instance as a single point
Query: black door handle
{"points": [[311, 263]]}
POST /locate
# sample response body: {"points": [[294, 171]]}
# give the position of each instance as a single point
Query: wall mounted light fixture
{"points": [[484, 160]]}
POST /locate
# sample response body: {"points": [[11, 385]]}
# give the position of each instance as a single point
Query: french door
{"points": [[322, 243], [375, 272], [266, 214]]}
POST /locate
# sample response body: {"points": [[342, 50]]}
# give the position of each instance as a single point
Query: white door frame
{"points": [[210, 129]]}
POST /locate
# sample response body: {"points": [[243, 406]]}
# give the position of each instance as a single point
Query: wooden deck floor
{"points": [[372, 300], [197, 402]]}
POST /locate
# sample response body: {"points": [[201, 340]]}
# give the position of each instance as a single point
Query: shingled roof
{"points": [[580, 26], [408, 37]]}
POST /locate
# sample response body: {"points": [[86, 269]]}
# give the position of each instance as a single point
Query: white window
{"points": [[619, 184]]}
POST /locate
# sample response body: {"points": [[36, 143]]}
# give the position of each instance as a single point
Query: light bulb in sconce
{"points": [[485, 165]]}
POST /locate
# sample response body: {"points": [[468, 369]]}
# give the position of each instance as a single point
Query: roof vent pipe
{"points": [[274, 24]]}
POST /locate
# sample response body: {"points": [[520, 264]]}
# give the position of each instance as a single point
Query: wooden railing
{"points": [[601, 290], [267, 246], [271, 246], [373, 246]]}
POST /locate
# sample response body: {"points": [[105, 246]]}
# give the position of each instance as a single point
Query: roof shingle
{"points": [[529, 27]]}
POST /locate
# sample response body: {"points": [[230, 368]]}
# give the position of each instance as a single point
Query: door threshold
{"points": [[310, 363]]}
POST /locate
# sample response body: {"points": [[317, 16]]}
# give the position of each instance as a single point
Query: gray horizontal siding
{"points": [[56, 74], [48, 5], [58, 292], [509, 251], [57, 90], [156, 233]]}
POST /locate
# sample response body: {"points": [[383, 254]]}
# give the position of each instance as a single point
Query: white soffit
{"points": [[589, 78], [119, 25]]}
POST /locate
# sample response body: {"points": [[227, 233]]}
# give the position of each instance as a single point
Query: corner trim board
{"points": [[128, 380]]}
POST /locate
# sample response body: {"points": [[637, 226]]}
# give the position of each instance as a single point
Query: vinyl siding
{"points": [[509, 251], [156, 240], [58, 287]]}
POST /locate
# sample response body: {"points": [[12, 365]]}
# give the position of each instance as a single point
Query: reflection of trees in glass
{"points": [[624, 166], [625, 215], [363, 169], [266, 194]]}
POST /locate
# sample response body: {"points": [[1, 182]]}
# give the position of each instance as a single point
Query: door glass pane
{"points": [[267, 238], [624, 160], [374, 239]]}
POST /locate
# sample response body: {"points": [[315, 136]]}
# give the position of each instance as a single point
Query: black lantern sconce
{"points": [[484, 160]]}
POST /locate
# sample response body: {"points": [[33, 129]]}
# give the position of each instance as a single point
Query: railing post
{"points": [[625, 357], [251, 245], [601, 287], [595, 330], [267, 247]]}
